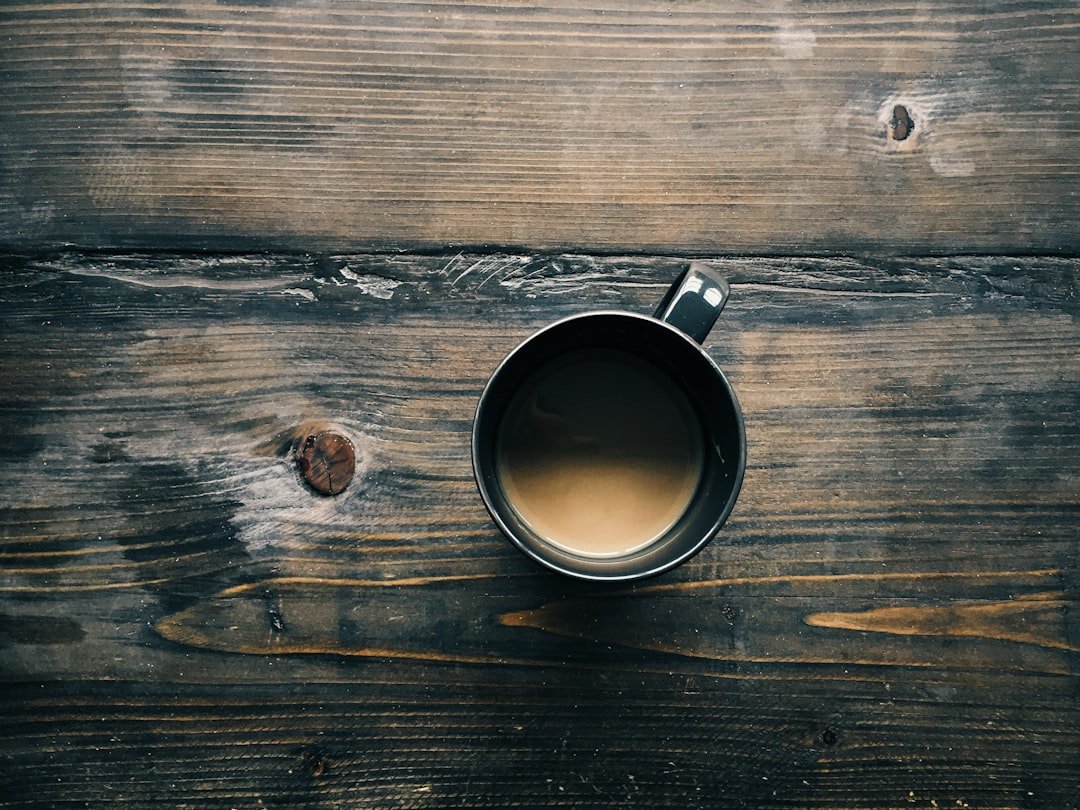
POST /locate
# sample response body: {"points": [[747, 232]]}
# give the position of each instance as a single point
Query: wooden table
{"points": [[227, 225]]}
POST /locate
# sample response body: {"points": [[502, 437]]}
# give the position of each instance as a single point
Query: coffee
{"points": [[599, 452]]}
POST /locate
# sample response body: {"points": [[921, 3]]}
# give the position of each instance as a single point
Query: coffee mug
{"points": [[609, 445]]}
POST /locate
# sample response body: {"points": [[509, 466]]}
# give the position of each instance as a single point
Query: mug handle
{"points": [[694, 302]]}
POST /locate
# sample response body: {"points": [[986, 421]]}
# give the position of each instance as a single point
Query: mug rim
{"points": [[655, 570]]}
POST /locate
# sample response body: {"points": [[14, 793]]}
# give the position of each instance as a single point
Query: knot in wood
{"points": [[901, 124], [327, 462]]}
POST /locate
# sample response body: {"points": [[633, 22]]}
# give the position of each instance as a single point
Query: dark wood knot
{"points": [[901, 124], [327, 462]]}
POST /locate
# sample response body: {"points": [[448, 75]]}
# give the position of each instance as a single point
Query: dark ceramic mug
{"points": [[665, 347]]}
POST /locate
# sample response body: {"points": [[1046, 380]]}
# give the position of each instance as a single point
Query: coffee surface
{"points": [[599, 452]]}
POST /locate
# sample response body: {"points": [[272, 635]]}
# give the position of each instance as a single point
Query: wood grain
{"points": [[1033, 619], [704, 127], [888, 620]]}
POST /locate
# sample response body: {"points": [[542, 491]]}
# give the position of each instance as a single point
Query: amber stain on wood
{"points": [[1033, 619], [664, 625], [309, 616], [313, 616], [707, 127]]}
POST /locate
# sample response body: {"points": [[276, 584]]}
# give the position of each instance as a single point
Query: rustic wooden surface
{"points": [[888, 620], [707, 127]]}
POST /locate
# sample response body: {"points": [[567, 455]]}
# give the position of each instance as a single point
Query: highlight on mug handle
{"points": [[694, 302]]}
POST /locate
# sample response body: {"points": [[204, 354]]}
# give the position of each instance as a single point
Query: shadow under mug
{"points": [[670, 342]]}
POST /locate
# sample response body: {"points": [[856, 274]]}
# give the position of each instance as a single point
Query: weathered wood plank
{"points": [[888, 620], [708, 127]]}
